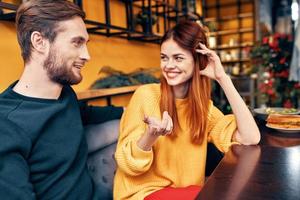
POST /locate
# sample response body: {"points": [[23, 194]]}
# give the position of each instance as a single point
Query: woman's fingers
{"points": [[164, 120], [164, 123], [202, 46], [204, 51], [210, 54], [158, 127], [169, 126], [146, 119]]}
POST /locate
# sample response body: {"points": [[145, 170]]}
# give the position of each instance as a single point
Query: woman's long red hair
{"points": [[188, 35]]}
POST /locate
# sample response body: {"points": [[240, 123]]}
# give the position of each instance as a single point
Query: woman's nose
{"points": [[170, 64]]}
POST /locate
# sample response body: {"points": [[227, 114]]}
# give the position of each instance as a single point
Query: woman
{"points": [[164, 131]]}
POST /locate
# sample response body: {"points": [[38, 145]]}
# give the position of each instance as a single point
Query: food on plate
{"points": [[281, 111], [283, 121]]}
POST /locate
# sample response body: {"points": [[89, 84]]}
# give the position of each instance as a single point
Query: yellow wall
{"points": [[10, 57], [118, 53]]}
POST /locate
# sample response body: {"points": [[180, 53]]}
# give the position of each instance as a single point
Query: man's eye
{"points": [[77, 43]]}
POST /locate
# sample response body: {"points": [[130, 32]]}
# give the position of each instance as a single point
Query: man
{"points": [[43, 150]]}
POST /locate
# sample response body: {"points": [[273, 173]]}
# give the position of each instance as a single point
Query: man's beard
{"points": [[58, 70]]}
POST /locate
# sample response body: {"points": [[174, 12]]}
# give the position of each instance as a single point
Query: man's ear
{"points": [[39, 43]]}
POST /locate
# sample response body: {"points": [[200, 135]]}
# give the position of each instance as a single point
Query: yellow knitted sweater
{"points": [[171, 162]]}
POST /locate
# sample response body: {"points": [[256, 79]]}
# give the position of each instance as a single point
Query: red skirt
{"points": [[187, 193]]}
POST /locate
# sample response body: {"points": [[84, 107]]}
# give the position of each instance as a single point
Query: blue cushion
{"points": [[102, 140], [102, 135]]}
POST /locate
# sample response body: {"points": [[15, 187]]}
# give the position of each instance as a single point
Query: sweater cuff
{"points": [[137, 152], [222, 134]]}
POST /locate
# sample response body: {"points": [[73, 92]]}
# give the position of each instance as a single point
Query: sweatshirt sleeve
{"points": [[131, 159], [14, 171], [221, 128], [98, 114]]}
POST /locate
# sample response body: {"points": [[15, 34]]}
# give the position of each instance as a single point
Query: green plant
{"points": [[142, 18], [117, 78], [212, 26]]}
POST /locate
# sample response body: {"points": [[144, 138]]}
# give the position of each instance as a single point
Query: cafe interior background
{"points": [[256, 40]]}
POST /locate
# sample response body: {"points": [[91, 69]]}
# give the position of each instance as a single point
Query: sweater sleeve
{"points": [[221, 128], [97, 114], [14, 170], [131, 159]]}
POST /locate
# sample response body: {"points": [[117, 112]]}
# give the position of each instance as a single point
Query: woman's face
{"points": [[177, 64]]}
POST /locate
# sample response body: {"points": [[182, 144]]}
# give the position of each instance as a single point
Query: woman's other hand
{"points": [[214, 68]]}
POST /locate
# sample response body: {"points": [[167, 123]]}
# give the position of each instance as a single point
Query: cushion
{"points": [[102, 135], [102, 141]]}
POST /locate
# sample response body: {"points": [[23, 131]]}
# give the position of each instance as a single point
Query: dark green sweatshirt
{"points": [[43, 150]]}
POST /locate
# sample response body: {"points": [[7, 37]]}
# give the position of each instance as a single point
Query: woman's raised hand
{"points": [[214, 68], [159, 127]]}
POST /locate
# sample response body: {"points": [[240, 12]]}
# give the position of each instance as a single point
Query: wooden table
{"points": [[270, 170]]}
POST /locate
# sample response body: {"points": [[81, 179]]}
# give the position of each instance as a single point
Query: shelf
{"points": [[106, 93], [229, 17], [9, 16], [226, 4], [8, 6], [233, 47], [98, 28], [231, 32], [235, 61], [158, 3]]}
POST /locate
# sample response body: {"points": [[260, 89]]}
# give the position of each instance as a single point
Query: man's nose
{"points": [[85, 54]]}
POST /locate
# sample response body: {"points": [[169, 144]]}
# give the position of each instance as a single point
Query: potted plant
{"points": [[115, 78], [143, 18]]}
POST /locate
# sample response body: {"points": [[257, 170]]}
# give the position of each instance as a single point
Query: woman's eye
{"points": [[178, 59], [163, 58]]}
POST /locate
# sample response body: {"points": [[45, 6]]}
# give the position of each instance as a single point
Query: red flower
{"points": [[265, 40], [274, 45], [270, 83], [277, 35], [262, 87], [270, 92], [283, 74], [271, 74], [297, 86], [287, 104], [282, 60]]}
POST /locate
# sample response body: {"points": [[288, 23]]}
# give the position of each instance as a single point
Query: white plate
{"points": [[285, 130], [277, 110]]}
